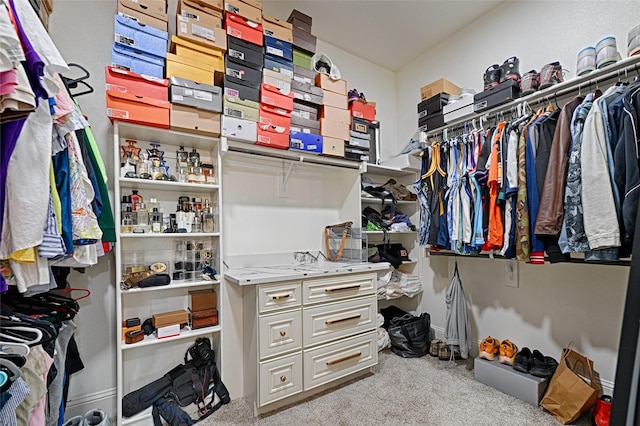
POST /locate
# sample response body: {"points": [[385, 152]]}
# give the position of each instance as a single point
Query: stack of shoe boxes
{"points": [[243, 69], [195, 59], [335, 118], [276, 99], [304, 43], [434, 96], [136, 91], [360, 143], [140, 47]]}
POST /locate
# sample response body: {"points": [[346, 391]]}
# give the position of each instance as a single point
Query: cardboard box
{"points": [[143, 38], [154, 8], [334, 129], [307, 125], [439, 86], [327, 83], [235, 100], [139, 62], [238, 129], [212, 4], [296, 14], [205, 318], [242, 74], [168, 331], [136, 14], [278, 65], [246, 8], [170, 318], [200, 24], [246, 53], [332, 147], [271, 95], [202, 300], [279, 80], [195, 120], [305, 142], [356, 153], [242, 93], [274, 27], [189, 70], [299, 23], [279, 48], [301, 58], [271, 122], [273, 139], [211, 58], [306, 43], [366, 110], [136, 84], [196, 95], [335, 114], [335, 100], [504, 378], [138, 110], [240, 27], [237, 110]]}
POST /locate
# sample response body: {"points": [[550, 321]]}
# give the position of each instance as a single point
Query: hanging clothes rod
{"points": [[620, 70]]}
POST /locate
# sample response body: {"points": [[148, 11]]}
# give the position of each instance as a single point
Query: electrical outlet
{"points": [[511, 273]]}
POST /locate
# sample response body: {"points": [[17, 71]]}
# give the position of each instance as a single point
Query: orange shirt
{"points": [[496, 227]]}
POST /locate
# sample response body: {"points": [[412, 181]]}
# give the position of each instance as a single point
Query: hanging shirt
{"points": [[496, 226]]}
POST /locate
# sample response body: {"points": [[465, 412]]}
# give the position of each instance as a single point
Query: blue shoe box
{"points": [[307, 142], [504, 378], [278, 65], [137, 61], [144, 38], [279, 48]]}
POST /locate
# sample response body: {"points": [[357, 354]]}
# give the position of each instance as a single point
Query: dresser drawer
{"points": [[331, 321], [278, 296], [279, 378], [335, 360], [279, 333], [338, 288]]}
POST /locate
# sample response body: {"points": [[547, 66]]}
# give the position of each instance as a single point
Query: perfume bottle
{"points": [[127, 221], [156, 221], [194, 158], [208, 218], [126, 203], [182, 157], [136, 200], [142, 216]]}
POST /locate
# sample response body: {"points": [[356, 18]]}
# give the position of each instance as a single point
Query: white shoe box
{"points": [[404, 161], [504, 378], [459, 109]]}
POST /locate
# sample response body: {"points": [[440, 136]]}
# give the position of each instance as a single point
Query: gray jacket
{"points": [[457, 329]]}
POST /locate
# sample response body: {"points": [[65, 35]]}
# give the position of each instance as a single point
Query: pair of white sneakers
{"points": [[95, 417]]}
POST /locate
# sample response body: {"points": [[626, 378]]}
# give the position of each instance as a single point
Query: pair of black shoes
{"points": [[535, 363], [496, 74]]}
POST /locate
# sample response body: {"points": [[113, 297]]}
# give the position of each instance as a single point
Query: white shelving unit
{"points": [[143, 362]]}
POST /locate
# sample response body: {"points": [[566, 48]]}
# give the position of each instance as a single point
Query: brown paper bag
{"points": [[569, 395]]}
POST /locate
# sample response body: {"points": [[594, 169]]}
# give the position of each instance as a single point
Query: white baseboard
{"points": [[607, 385], [104, 400]]}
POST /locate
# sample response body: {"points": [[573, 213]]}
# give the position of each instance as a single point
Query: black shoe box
{"points": [[240, 91], [433, 105], [501, 94], [360, 125], [431, 121], [243, 74], [245, 53], [355, 153]]}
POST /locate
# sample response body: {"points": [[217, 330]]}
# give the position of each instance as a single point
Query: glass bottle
{"points": [[190, 216], [127, 221], [194, 158], [126, 203], [196, 223], [182, 157], [156, 221], [136, 200], [142, 215], [208, 218], [181, 217]]}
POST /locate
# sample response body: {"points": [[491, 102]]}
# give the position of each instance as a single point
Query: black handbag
{"points": [[410, 335]]}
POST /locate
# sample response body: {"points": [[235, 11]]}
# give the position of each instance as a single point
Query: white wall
{"points": [[554, 304]]}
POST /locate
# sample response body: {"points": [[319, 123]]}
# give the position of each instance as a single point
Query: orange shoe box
{"points": [[336, 86], [335, 100], [137, 109], [271, 95], [332, 147], [242, 28], [271, 122], [364, 110], [252, 10], [273, 139], [335, 129], [335, 114], [136, 84]]}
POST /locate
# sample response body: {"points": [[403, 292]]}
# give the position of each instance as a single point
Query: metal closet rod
{"points": [[622, 69]]}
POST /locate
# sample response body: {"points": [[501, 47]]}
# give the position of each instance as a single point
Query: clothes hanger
{"points": [[70, 83], [9, 333], [14, 348], [84, 290]]}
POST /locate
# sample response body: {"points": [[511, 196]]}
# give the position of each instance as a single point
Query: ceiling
{"points": [[389, 33]]}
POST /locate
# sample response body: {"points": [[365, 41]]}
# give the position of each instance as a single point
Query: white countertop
{"points": [[261, 274]]}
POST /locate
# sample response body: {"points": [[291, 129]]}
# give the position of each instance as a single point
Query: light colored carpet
{"points": [[401, 392]]}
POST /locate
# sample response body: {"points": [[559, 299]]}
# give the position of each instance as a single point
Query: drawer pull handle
{"points": [[344, 358], [283, 333], [280, 296], [283, 379], [347, 287], [334, 321]]}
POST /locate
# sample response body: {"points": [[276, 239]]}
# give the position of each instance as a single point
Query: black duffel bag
{"points": [[410, 335]]}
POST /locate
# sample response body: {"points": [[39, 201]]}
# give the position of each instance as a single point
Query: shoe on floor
{"points": [[529, 82], [551, 74], [96, 417], [523, 360], [508, 352], [435, 347], [491, 77], [489, 348], [444, 352], [510, 70], [542, 366]]}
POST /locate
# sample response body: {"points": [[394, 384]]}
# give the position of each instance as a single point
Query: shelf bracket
{"points": [[287, 174]]}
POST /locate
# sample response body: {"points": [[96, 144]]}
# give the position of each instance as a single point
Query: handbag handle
{"points": [[345, 232], [569, 349]]}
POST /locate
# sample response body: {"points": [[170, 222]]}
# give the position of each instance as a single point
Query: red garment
{"points": [[496, 227]]}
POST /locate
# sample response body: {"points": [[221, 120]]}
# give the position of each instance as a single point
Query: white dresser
{"points": [[304, 334]]}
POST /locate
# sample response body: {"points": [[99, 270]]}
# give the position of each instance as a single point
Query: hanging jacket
{"points": [[457, 328], [522, 203]]}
